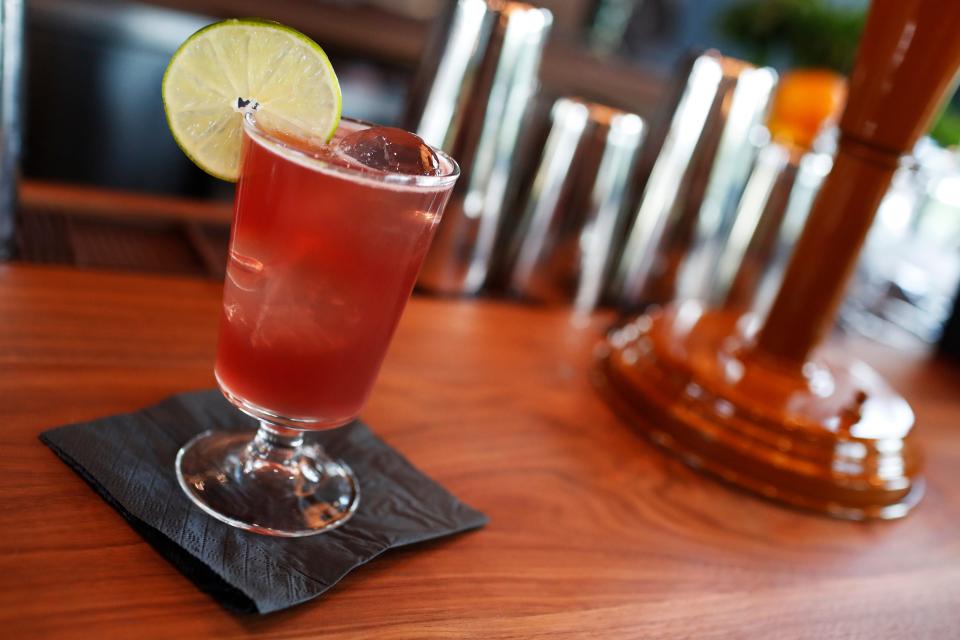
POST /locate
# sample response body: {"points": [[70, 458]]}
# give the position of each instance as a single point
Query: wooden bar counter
{"points": [[593, 533]]}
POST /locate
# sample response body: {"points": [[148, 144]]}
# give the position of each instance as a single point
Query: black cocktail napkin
{"points": [[128, 459]]}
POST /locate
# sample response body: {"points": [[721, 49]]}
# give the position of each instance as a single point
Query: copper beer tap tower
{"points": [[764, 404]]}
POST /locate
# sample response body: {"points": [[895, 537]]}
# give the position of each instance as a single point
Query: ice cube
{"points": [[392, 150], [244, 272], [245, 278], [300, 308]]}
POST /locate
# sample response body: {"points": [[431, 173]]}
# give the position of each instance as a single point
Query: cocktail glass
{"points": [[323, 256]]}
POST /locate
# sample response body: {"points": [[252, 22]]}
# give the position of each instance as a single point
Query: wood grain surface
{"points": [[593, 533]]}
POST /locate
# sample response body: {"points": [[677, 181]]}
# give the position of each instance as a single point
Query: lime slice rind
{"points": [[273, 69]]}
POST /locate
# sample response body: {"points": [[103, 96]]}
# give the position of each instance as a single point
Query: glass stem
{"points": [[275, 444]]}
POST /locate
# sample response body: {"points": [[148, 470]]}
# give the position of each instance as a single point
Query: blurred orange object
{"points": [[806, 99]]}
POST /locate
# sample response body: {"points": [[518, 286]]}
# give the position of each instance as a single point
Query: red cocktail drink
{"points": [[328, 237], [326, 245], [323, 256]]}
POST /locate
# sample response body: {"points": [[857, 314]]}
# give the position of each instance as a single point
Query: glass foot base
{"points": [[269, 482]]}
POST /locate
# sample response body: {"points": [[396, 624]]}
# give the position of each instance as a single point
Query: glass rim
{"points": [[307, 158]]}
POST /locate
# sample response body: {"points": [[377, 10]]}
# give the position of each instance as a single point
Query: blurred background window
{"points": [[94, 113], [94, 117]]}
